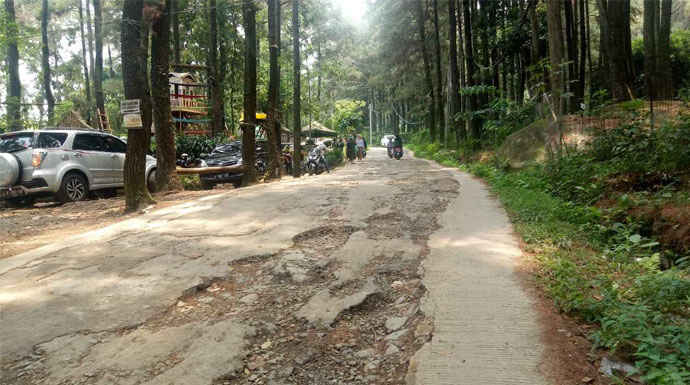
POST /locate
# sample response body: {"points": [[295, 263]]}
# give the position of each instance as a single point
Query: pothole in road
{"points": [[324, 238]]}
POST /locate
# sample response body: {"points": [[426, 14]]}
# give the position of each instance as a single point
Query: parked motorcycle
{"points": [[316, 162], [187, 161]]}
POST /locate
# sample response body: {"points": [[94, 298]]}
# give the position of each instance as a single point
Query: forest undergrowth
{"points": [[593, 220]]}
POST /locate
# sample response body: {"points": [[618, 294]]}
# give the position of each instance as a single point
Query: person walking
{"points": [[351, 148]]}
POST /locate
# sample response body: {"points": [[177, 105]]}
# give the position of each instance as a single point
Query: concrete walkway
{"points": [[486, 331]]}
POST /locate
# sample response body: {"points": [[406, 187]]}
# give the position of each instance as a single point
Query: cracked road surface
{"points": [[380, 272]]}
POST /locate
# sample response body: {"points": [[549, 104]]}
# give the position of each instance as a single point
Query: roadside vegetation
{"points": [[607, 225]]}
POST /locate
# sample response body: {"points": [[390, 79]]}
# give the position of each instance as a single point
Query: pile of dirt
{"points": [[670, 225]]}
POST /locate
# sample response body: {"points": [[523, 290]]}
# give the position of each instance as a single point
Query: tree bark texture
{"points": [[431, 100], [45, 62], [166, 177], [617, 15], [175, 31], [87, 79], [663, 46], [439, 75], [471, 100], [297, 121], [249, 123], [454, 90], [580, 90], [134, 58], [649, 27], [14, 87], [555, 27], [273, 123], [213, 80], [98, 69], [90, 39], [571, 41]]}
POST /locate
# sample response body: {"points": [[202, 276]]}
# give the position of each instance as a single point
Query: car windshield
{"points": [[16, 142]]}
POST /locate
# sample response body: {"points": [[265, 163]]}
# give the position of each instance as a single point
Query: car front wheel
{"points": [[74, 188]]}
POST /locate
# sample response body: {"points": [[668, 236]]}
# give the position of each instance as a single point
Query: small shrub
{"points": [[335, 157]]}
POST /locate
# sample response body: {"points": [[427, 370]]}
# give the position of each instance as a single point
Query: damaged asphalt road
{"points": [[319, 280]]}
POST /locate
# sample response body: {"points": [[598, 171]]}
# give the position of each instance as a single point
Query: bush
{"points": [[194, 146], [631, 148], [572, 177], [335, 156]]}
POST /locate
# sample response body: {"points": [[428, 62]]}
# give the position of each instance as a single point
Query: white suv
{"points": [[65, 163]]}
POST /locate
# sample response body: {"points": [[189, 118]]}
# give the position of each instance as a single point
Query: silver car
{"points": [[65, 163]]}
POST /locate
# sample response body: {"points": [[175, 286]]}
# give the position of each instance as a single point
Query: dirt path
{"points": [[311, 281], [29, 228]]}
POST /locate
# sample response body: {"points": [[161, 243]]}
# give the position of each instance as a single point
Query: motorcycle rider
{"points": [[361, 146], [397, 141]]}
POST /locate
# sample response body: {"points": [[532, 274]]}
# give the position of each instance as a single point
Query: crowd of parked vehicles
{"points": [[72, 164]]}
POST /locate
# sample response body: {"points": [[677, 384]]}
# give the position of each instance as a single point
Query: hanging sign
{"points": [[132, 121], [131, 113], [130, 107]]}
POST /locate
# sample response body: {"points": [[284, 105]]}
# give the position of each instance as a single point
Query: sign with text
{"points": [[130, 107], [132, 121]]}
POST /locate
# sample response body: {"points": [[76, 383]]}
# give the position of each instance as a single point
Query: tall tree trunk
{"points": [[555, 27], [663, 46], [471, 66], [617, 16], [134, 58], [45, 62], [90, 40], [98, 69], [651, 7], [580, 90], [166, 177], [273, 122], [111, 70], [249, 123], [604, 49], [534, 35], [484, 36], [297, 123], [213, 81], [14, 87], [589, 51], [175, 31], [87, 79], [421, 20], [319, 59], [571, 40], [454, 89], [222, 65], [494, 50], [439, 75]]}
